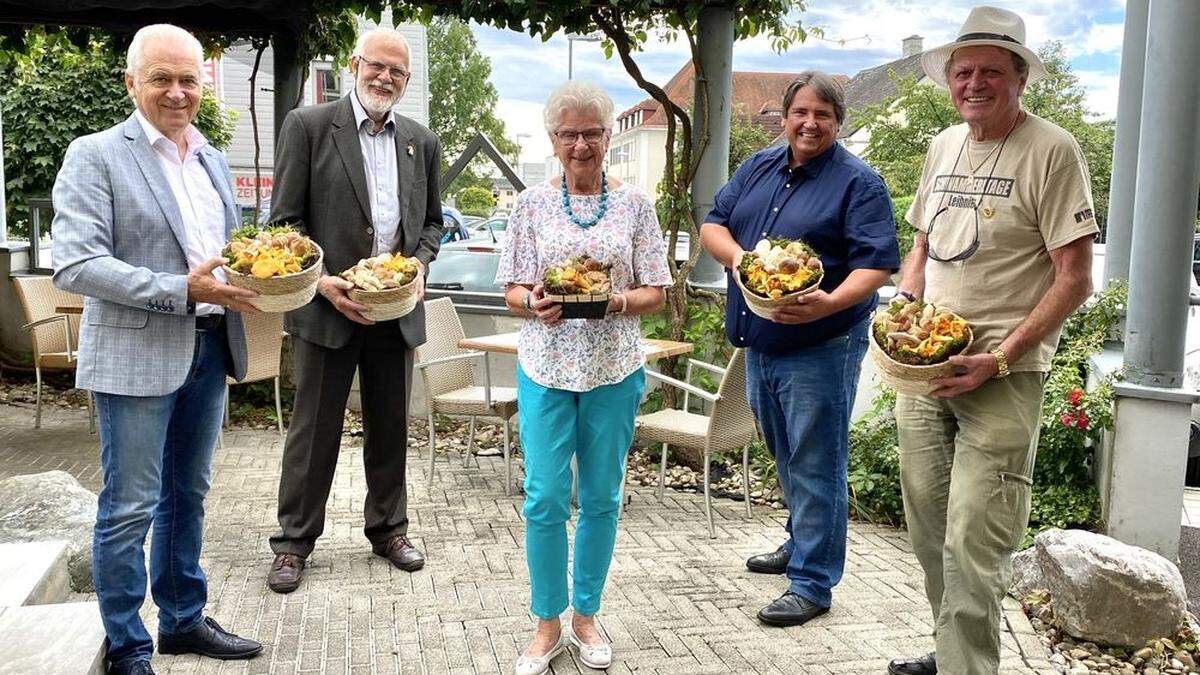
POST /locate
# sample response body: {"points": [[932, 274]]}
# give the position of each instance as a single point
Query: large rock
{"points": [[1026, 574], [51, 506], [1109, 592]]}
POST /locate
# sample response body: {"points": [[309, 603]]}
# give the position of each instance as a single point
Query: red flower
{"points": [[1075, 397], [1081, 422], [1067, 420]]}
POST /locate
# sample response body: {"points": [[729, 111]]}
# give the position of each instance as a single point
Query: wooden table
{"points": [[506, 343]]}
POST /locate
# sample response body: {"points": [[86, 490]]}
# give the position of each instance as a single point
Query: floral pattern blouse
{"points": [[581, 354]]}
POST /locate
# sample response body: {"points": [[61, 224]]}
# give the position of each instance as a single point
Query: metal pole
{"points": [[1164, 208], [3, 194], [715, 32], [570, 56], [288, 74], [1119, 231]]}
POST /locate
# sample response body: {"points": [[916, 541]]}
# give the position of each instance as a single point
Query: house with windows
{"points": [[637, 152], [231, 74]]}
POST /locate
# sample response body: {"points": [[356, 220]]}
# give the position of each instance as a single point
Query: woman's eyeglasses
{"points": [[590, 136]]}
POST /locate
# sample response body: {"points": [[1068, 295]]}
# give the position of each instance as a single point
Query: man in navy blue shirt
{"points": [[802, 366]]}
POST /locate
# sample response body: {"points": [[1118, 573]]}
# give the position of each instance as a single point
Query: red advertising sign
{"points": [[243, 185]]}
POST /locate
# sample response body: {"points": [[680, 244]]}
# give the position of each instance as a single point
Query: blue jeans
{"points": [[155, 453], [802, 400], [597, 427]]}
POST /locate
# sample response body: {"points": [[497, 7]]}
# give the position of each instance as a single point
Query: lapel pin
{"points": [[410, 150]]}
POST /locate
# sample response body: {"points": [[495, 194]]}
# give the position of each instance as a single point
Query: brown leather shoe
{"points": [[286, 572], [400, 551]]}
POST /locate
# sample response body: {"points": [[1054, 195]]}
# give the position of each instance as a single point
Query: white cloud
{"points": [[524, 117], [1102, 87]]}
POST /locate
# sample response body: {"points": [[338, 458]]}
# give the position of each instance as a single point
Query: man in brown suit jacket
{"points": [[360, 180]]}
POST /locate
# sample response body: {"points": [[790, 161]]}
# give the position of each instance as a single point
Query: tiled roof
{"points": [[755, 96], [874, 85]]}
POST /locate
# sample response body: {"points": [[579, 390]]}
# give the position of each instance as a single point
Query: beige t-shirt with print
{"points": [[1031, 194]]}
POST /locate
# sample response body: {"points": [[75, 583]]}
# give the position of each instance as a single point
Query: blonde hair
{"points": [[159, 31], [578, 95]]}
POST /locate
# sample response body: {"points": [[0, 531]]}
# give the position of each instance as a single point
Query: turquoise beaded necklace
{"points": [[581, 222]]}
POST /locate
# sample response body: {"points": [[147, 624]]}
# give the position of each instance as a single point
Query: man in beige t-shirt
{"points": [[1005, 228]]}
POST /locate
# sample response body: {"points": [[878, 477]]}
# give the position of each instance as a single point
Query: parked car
{"points": [[465, 272], [453, 226]]}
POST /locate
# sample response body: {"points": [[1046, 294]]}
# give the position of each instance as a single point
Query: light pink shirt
{"points": [[199, 202]]}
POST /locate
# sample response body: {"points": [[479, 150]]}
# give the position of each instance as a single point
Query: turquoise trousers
{"points": [[596, 427]]}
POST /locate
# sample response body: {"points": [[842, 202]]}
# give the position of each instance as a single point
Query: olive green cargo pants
{"points": [[965, 468]]}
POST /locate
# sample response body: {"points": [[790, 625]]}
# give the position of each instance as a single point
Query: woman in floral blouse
{"points": [[579, 381]]}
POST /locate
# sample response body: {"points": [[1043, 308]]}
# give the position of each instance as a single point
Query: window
{"points": [[327, 83]]}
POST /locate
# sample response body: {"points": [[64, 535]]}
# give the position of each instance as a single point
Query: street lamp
{"points": [[572, 38]]}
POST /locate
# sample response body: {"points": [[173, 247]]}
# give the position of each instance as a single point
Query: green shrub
{"points": [[874, 470], [904, 231], [475, 201]]}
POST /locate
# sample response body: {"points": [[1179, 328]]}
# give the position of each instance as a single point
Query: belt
{"points": [[210, 322]]}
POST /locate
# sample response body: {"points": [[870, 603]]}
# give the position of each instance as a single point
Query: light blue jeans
{"points": [[597, 427], [155, 454], [802, 400]]}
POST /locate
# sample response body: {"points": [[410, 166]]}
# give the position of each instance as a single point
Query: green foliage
{"points": [[902, 126], [745, 139], [42, 115], [475, 201], [466, 99], [874, 464], [904, 231]]}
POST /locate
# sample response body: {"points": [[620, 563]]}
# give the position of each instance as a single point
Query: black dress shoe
{"points": [[401, 553], [209, 639], [138, 667], [790, 609], [775, 562], [922, 665]]}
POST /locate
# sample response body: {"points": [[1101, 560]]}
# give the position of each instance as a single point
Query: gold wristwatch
{"points": [[1001, 363]]}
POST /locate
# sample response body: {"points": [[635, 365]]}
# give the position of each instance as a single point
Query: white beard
{"points": [[374, 104]]}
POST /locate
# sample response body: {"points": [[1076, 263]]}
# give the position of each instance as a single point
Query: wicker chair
{"points": [[731, 424], [264, 344], [54, 336], [450, 384]]}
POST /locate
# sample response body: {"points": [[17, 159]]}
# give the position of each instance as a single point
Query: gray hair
{"points": [[1019, 64], [392, 33], [826, 87], [577, 95], [159, 31]]}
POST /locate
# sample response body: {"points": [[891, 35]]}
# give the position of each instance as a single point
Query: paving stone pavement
{"points": [[676, 601]]}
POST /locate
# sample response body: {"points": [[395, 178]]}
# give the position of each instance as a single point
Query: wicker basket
{"points": [[765, 306], [388, 304], [908, 379], [585, 306], [283, 293]]}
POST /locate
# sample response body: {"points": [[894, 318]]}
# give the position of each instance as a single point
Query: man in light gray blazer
{"points": [[361, 180], [142, 211]]}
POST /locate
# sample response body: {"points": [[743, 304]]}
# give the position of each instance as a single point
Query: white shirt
{"points": [[199, 202], [383, 180]]}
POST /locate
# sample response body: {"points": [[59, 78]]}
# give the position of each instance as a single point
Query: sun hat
{"points": [[985, 26]]}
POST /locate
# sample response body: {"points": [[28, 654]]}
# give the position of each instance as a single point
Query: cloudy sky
{"points": [[857, 34]]}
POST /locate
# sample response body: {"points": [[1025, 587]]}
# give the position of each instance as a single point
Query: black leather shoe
{"points": [[775, 562], [138, 667], [401, 553], [922, 665], [790, 609], [209, 639]]}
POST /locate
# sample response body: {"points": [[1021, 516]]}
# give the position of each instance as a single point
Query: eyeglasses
{"points": [[396, 72], [590, 136], [966, 252]]}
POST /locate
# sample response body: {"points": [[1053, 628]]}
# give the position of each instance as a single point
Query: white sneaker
{"points": [[598, 656], [536, 665]]}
